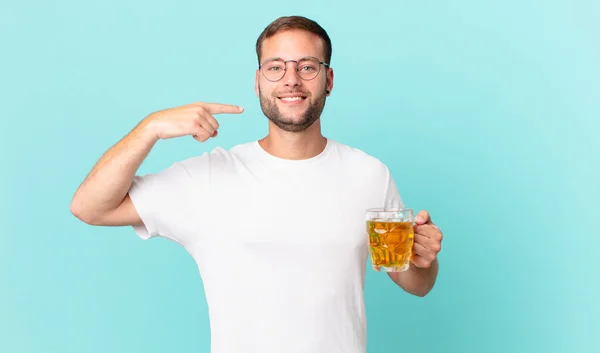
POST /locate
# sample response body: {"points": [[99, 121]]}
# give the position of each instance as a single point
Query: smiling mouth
{"points": [[292, 99]]}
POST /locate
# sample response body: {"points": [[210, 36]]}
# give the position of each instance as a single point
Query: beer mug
{"points": [[391, 237]]}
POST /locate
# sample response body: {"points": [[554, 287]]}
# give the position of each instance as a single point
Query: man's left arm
{"points": [[421, 275]]}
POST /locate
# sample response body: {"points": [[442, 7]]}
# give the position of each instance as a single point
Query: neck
{"points": [[294, 145]]}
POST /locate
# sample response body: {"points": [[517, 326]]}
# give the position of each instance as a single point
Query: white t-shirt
{"points": [[281, 245]]}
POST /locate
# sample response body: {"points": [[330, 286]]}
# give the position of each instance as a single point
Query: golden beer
{"points": [[390, 243]]}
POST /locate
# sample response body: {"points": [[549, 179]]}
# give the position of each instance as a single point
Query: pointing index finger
{"points": [[218, 108]]}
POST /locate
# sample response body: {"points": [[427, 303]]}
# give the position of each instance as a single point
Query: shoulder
{"points": [[218, 157], [360, 160]]}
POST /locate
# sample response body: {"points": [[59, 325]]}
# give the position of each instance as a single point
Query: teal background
{"points": [[486, 113]]}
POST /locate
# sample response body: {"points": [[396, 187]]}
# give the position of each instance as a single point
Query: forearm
{"points": [[416, 280], [107, 184]]}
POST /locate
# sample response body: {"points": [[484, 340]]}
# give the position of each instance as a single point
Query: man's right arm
{"points": [[102, 198]]}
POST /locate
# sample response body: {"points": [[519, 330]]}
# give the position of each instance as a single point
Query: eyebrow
{"points": [[272, 58], [280, 58]]}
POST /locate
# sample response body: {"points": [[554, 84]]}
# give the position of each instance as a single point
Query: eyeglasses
{"points": [[307, 68]]}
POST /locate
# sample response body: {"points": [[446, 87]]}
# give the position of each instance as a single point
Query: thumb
{"points": [[422, 218]]}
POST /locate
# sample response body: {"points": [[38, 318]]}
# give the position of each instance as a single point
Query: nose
{"points": [[291, 78]]}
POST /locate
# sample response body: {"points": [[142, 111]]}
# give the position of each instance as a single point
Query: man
{"points": [[276, 226]]}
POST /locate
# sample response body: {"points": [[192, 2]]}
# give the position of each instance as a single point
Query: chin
{"points": [[292, 121], [293, 118]]}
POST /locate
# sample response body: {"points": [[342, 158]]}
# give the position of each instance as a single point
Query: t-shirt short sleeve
{"points": [[392, 197], [162, 201]]}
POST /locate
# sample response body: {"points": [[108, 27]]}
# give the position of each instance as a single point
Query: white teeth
{"points": [[291, 99]]}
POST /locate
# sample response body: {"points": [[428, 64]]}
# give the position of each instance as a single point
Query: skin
{"points": [[421, 275], [299, 143], [294, 132]]}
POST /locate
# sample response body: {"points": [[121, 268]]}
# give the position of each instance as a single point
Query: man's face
{"points": [[293, 104]]}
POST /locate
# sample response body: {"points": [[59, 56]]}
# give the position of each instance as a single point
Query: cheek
{"points": [[318, 86], [266, 89]]}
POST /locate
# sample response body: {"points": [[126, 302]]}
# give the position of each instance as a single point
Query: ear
{"points": [[256, 79], [329, 83]]}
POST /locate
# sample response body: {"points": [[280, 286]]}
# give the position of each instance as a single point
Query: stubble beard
{"points": [[272, 112]]}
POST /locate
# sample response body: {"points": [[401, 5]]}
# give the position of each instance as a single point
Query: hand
{"points": [[193, 119], [428, 241]]}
